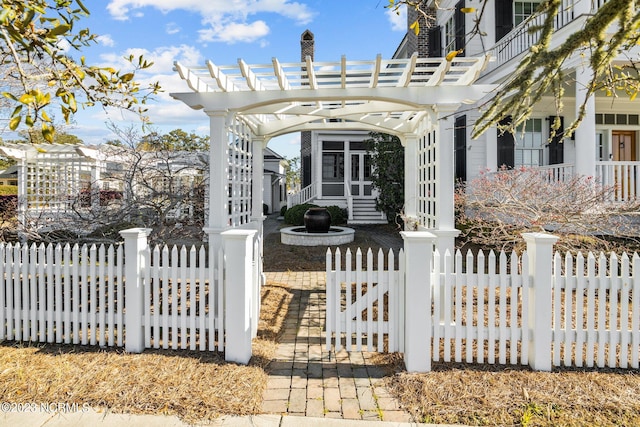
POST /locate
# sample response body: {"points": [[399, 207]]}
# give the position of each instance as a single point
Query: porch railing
{"points": [[307, 193], [623, 177], [559, 172]]}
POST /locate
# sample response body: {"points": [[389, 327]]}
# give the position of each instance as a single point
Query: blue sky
{"points": [[193, 31]]}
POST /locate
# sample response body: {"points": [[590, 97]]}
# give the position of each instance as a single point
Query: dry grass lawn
{"points": [[502, 395]]}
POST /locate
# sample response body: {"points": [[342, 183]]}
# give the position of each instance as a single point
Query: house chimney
{"points": [[307, 48], [420, 43]]}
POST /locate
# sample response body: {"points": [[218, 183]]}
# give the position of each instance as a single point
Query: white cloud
{"points": [[162, 58], [223, 20], [106, 40], [398, 21], [172, 28], [235, 32]]}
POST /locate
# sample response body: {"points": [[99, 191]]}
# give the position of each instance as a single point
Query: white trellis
{"points": [[248, 105], [51, 177], [410, 98]]}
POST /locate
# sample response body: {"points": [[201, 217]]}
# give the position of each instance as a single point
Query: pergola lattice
{"points": [[411, 98]]}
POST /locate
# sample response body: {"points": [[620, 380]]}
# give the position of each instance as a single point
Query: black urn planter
{"points": [[317, 220]]}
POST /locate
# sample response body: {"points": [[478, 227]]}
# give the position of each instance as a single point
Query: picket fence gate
{"points": [[103, 295], [492, 308]]}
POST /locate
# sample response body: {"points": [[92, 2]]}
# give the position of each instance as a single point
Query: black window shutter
{"points": [[506, 146], [306, 170], [458, 21], [556, 147], [460, 147], [504, 17], [435, 42]]}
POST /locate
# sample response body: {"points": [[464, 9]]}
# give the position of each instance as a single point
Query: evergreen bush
{"points": [[295, 215]]}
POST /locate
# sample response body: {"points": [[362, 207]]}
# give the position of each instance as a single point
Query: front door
{"points": [[361, 176], [623, 145]]}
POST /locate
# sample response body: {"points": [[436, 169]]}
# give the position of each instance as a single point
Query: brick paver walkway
{"points": [[305, 380]]}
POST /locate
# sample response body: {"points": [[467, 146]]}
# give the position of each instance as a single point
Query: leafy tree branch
{"points": [[39, 75]]}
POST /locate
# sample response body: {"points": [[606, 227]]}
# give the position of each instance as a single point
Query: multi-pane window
{"points": [[332, 166], [530, 144], [522, 10], [450, 35]]}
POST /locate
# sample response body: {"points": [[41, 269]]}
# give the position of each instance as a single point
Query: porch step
{"points": [[364, 212]]}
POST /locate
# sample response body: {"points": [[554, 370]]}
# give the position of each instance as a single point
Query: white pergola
{"points": [[411, 98]]}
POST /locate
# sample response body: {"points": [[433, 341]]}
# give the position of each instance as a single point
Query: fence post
{"points": [[238, 249], [540, 252], [418, 250], [135, 241]]}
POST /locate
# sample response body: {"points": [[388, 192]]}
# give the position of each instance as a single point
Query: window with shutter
{"points": [[504, 17], [505, 146], [460, 148], [556, 147], [459, 29], [435, 42]]}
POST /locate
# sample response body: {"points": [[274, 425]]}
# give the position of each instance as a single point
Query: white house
{"points": [[335, 167], [274, 193], [605, 144]]}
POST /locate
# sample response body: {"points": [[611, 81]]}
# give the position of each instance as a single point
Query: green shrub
{"points": [[8, 190], [295, 215], [283, 210], [338, 215]]}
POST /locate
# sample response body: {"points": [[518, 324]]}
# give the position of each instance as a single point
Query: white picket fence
{"points": [[493, 309], [61, 294], [363, 316], [132, 295], [183, 302]]}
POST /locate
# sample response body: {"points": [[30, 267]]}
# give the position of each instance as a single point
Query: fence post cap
{"points": [[238, 234], [445, 232], [212, 230], [135, 232], [540, 238], [417, 235]]}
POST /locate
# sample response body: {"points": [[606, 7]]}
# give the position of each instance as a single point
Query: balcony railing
{"points": [[525, 35]]}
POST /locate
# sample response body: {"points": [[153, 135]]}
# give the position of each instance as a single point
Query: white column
{"points": [[540, 252], [135, 241], [238, 247], [23, 203], [491, 147], [411, 147], [585, 135], [347, 171], [445, 170], [257, 177], [218, 178], [418, 247], [316, 167], [445, 182]]}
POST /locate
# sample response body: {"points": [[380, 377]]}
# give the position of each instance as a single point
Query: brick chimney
{"points": [[307, 49]]}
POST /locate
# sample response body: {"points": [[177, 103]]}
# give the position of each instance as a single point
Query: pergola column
{"points": [[258, 144], [411, 149], [445, 180], [217, 220]]}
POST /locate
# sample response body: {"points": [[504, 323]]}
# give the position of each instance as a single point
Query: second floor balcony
{"points": [[516, 43]]}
